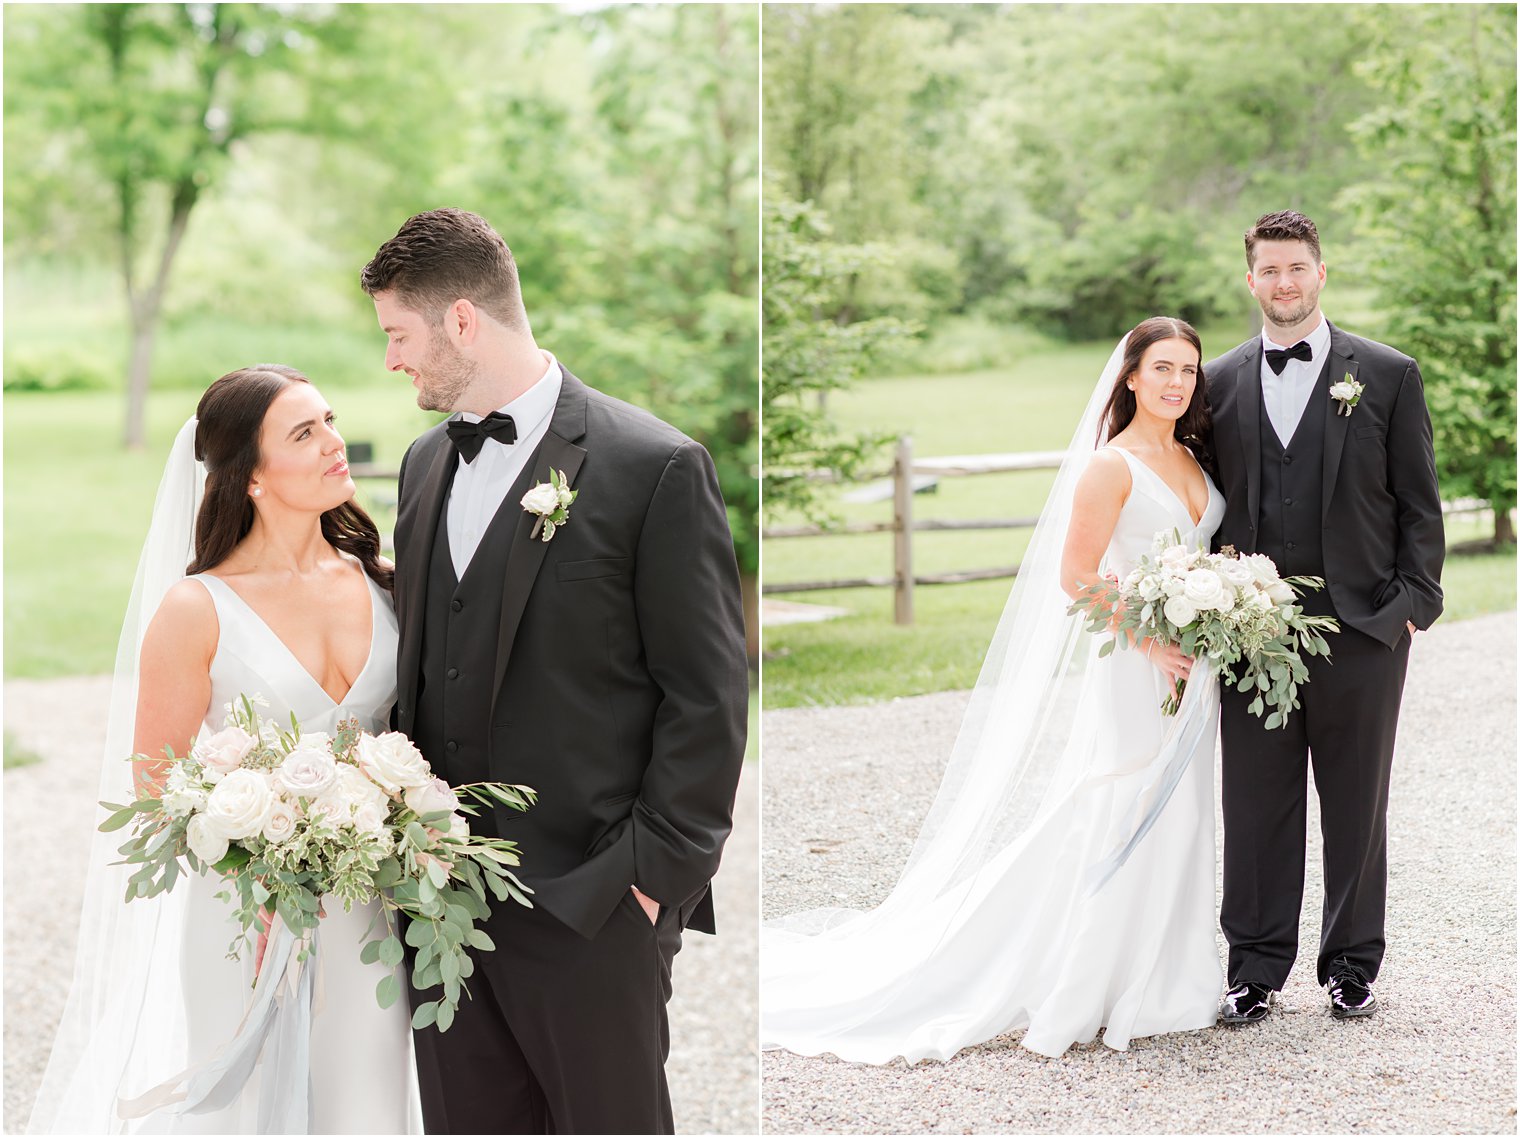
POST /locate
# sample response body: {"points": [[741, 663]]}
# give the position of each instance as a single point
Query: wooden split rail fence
{"points": [[903, 525]]}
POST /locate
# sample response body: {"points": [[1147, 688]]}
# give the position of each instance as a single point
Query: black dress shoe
{"points": [[1246, 1003], [1350, 995]]}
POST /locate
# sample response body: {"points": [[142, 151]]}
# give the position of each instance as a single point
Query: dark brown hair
{"points": [[1192, 429], [446, 255], [229, 417], [1284, 225]]}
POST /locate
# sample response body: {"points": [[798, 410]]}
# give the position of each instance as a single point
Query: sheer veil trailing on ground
{"points": [[123, 1026], [1022, 745]]}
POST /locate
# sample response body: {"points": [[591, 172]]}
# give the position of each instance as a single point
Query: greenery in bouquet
{"points": [[1236, 611], [292, 818]]}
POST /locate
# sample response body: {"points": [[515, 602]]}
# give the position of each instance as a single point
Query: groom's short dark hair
{"points": [[445, 255], [1284, 225]]}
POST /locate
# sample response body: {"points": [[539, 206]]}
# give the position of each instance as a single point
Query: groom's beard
{"points": [[1285, 314], [446, 375]]}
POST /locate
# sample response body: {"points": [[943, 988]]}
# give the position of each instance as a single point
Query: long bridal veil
{"points": [[124, 1023], [1023, 744]]}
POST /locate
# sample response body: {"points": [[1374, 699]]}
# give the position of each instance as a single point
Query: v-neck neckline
{"points": [[374, 621], [1178, 498]]}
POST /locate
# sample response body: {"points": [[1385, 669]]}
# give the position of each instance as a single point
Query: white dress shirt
{"points": [[480, 486], [1287, 395]]}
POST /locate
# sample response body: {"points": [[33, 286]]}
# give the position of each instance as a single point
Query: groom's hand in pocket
{"points": [[650, 906]]}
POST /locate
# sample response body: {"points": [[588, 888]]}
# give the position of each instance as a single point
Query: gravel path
{"points": [[50, 805], [845, 790]]}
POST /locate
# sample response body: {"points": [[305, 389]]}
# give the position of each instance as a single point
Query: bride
{"points": [[285, 596], [1063, 881]]}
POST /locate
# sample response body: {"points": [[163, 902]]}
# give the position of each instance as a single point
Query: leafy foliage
{"points": [[1440, 227], [809, 352]]}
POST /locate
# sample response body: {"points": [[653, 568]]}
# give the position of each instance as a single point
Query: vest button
{"points": [[452, 673], [456, 605], [1287, 461], [452, 746], [1287, 501], [1290, 546]]}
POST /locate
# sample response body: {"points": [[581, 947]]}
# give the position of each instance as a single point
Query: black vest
{"points": [[1292, 486], [460, 628]]}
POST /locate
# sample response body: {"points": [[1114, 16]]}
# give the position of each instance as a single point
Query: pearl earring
{"points": [[257, 491]]}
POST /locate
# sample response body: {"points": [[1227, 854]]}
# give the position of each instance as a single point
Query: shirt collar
{"points": [[1318, 340], [533, 406]]}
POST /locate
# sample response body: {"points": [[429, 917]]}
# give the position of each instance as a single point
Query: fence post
{"points": [[902, 538]]}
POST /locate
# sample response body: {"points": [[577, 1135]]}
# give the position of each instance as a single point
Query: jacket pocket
{"points": [[590, 570], [1369, 432]]}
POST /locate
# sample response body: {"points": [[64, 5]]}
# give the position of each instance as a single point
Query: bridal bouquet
{"points": [[290, 818], [1237, 611]]}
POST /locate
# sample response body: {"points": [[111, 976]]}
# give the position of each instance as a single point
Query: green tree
{"points": [[1439, 226], [163, 103], [808, 353]]}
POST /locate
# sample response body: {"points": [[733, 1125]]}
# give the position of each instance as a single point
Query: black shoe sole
{"points": [[1241, 1021], [1352, 1013]]}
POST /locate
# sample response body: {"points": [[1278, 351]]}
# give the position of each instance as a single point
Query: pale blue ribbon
{"points": [[1172, 759], [276, 1029]]}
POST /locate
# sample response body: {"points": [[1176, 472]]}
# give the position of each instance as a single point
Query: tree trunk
{"points": [[146, 312], [1504, 528]]}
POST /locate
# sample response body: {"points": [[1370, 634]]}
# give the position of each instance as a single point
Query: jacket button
{"points": [[1289, 546], [456, 605], [1287, 501], [452, 746], [452, 673]]}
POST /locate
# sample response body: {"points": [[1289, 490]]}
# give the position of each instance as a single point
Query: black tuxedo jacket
{"points": [[1381, 507], [621, 686]]}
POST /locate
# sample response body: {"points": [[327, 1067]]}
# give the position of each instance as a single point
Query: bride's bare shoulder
{"points": [[187, 613]]}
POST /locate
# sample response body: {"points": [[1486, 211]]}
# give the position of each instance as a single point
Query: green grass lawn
{"points": [[77, 508], [1029, 405]]}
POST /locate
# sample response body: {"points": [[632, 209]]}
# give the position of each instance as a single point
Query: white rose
{"points": [[1234, 572], [1342, 390], [1259, 601], [369, 817], [1176, 556], [223, 751], [1173, 586], [349, 791], [1205, 590], [431, 796], [393, 762], [1180, 611], [1150, 588], [1281, 592], [1263, 569], [206, 841], [280, 824], [306, 772], [240, 803], [542, 499]]}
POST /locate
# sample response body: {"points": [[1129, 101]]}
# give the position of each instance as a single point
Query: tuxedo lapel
{"points": [[429, 506], [526, 556], [1248, 420], [1337, 425]]}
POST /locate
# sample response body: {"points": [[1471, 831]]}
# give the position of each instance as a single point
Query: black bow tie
{"points": [[468, 437], [1277, 358]]}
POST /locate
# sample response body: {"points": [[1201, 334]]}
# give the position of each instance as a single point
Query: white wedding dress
{"points": [[1026, 942], [362, 1079]]}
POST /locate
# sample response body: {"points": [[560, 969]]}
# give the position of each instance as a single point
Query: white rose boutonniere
{"points": [[550, 502], [1348, 393]]}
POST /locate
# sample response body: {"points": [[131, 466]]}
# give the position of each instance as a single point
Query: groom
{"points": [[1325, 459], [600, 662]]}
